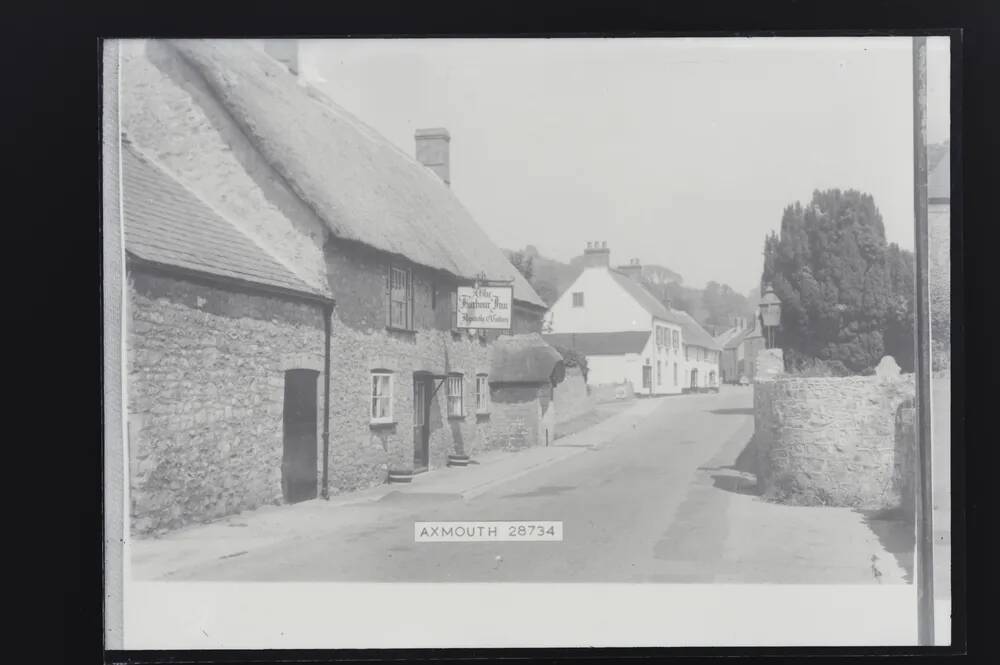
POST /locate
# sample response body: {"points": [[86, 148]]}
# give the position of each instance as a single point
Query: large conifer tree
{"points": [[844, 292]]}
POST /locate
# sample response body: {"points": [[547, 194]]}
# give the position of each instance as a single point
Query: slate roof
{"points": [[694, 334], [523, 359], [641, 294], [167, 224], [360, 185], [601, 343]]}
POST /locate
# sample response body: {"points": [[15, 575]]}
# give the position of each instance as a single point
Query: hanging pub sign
{"points": [[485, 307]]}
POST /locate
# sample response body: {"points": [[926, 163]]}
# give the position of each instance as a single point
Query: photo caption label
{"points": [[471, 532]]}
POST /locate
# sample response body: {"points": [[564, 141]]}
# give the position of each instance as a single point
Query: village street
{"points": [[658, 502]]}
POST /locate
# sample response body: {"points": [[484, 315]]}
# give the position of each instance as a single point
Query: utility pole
{"points": [[924, 507]]}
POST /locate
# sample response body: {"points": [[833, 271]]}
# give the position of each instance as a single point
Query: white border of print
{"points": [[207, 615]]}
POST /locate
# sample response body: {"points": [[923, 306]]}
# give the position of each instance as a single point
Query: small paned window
{"points": [[456, 407], [399, 302], [578, 299], [482, 394], [381, 397]]}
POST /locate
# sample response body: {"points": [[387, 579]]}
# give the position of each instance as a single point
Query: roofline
{"points": [[224, 280]]}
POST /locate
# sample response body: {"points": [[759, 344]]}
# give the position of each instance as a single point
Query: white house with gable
{"points": [[627, 335]]}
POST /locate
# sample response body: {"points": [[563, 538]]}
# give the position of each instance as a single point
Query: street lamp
{"points": [[770, 314]]}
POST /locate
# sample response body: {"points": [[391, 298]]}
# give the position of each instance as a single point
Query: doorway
{"points": [[694, 379], [299, 424], [421, 426]]}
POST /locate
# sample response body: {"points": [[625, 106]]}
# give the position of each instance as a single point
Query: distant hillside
{"points": [[551, 277], [714, 307]]}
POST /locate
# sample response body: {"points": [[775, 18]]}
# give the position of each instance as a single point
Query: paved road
{"points": [[625, 506], [659, 503]]}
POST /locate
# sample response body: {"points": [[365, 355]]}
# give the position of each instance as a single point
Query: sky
{"points": [[678, 152]]}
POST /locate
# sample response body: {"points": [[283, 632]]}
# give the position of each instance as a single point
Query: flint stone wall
{"points": [[830, 441], [206, 371]]}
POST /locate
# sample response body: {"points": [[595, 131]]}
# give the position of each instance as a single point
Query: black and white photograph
{"points": [[433, 332]]}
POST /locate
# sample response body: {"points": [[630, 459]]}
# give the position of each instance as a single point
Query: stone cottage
{"points": [[374, 237]]}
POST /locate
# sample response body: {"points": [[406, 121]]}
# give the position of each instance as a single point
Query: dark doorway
{"points": [[647, 378], [298, 460], [421, 426]]}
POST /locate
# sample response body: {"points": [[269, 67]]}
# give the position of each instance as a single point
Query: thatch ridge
{"points": [[360, 185]]}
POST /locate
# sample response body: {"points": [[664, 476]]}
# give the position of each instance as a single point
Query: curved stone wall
{"points": [[831, 441]]}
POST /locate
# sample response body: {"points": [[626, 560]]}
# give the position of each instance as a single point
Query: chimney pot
{"points": [[433, 151], [596, 255]]}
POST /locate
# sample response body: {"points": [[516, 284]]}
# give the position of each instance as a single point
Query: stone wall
{"points": [[572, 397], [611, 392], [206, 370], [829, 441], [518, 417]]}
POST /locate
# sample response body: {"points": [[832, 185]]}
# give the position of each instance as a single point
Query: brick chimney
{"points": [[632, 269], [285, 51], [432, 151], [597, 255]]}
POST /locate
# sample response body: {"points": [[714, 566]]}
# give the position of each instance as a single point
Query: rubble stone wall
{"points": [[206, 369], [830, 441]]}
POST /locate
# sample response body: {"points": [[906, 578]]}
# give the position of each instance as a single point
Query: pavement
{"points": [[195, 545], [653, 494]]}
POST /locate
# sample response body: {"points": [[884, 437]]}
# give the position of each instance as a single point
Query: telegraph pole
{"points": [[924, 507]]}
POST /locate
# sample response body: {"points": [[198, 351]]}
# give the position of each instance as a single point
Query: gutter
{"points": [[327, 316]]}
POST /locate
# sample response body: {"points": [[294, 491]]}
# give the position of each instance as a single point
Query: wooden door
{"points": [[421, 428], [299, 459]]}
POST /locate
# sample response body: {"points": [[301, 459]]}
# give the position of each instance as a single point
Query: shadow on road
{"points": [[740, 476], [740, 483], [895, 535], [732, 412], [548, 490]]}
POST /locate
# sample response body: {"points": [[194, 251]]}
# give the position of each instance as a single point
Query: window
{"points": [[399, 287], [578, 299], [659, 373], [482, 394], [687, 353], [381, 396], [675, 374], [455, 406], [676, 339]]}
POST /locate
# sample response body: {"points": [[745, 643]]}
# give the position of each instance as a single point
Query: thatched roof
{"points": [[523, 359], [601, 343], [168, 225], [361, 186]]}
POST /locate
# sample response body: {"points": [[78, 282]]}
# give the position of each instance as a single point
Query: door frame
{"points": [[422, 382]]}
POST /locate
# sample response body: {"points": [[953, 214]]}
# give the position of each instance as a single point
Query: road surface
{"points": [[658, 503]]}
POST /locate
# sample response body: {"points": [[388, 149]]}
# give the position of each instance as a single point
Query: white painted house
{"points": [[626, 333]]}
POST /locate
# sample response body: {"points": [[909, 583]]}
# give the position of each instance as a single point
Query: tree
{"points": [[524, 262], [843, 290]]}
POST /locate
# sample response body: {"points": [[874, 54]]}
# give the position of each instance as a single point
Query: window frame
{"points": [[482, 394], [391, 290], [387, 396], [580, 294], [451, 380]]}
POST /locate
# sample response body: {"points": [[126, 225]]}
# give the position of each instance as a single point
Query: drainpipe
{"points": [[327, 316]]}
